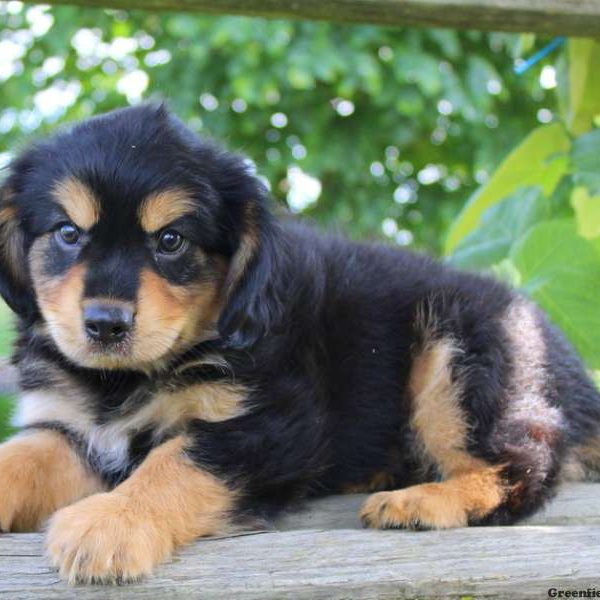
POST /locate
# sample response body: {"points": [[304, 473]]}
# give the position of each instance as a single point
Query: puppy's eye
{"points": [[69, 234], [170, 242]]}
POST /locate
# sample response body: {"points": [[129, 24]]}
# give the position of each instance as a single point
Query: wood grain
{"points": [[566, 17], [316, 553]]}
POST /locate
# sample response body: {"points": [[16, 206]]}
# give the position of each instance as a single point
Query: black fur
{"points": [[323, 331]]}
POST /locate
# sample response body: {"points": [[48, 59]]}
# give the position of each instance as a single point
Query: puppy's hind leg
{"points": [[485, 426]]}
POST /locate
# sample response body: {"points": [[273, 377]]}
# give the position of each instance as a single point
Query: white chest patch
{"points": [[108, 444]]}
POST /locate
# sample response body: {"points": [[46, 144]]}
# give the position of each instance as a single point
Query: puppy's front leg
{"points": [[121, 535], [39, 473]]}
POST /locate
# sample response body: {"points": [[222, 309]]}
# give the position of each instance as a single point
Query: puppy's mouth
{"points": [[112, 343], [107, 335]]}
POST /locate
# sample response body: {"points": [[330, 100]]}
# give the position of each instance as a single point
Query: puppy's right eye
{"points": [[69, 234], [170, 242]]}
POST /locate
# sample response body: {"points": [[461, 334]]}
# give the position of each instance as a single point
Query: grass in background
{"points": [[7, 335]]}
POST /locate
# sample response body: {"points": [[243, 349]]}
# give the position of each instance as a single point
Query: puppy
{"points": [[191, 365]]}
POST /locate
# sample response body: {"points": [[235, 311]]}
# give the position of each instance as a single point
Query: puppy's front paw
{"points": [[107, 538]]}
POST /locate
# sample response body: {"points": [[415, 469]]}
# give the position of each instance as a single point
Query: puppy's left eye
{"points": [[68, 234], [170, 242]]}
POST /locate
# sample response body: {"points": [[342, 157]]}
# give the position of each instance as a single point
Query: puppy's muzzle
{"points": [[106, 323]]}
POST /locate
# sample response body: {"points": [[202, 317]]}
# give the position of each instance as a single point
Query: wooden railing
{"points": [[566, 17]]}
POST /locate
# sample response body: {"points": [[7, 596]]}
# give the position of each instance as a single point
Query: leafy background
{"points": [[423, 138]]}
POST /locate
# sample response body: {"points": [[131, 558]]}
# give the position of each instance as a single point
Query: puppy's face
{"points": [[123, 284], [126, 238]]}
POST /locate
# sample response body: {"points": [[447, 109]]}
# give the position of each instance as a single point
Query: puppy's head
{"points": [[130, 240]]}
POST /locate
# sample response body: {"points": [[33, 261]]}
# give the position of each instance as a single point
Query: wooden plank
{"points": [[503, 562], [575, 504], [566, 17], [328, 562]]}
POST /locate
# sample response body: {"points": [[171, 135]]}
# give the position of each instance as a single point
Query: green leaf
{"points": [[585, 160], [6, 408], [561, 271], [536, 161], [506, 271], [501, 226], [560, 199], [584, 84], [596, 244], [7, 329], [587, 213]]}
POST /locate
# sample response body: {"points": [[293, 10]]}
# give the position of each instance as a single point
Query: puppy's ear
{"points": [[251, 305], [15, 286]]}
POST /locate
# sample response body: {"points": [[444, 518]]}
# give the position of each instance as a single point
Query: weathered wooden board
{"points": [[518, 562], [327, 562], [567, 17], [576, 504]]}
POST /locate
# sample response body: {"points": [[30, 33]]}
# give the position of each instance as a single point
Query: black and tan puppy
{"points": [[190, 365]]}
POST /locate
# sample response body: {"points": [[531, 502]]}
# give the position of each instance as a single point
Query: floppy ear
{"points": [[15, 286], [251, 304]]}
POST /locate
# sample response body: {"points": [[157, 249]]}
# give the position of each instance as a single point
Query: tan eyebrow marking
{"points": [[161, 208], [79, 202]]}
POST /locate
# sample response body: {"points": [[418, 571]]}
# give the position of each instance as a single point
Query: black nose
{"points": [[107, 323]]}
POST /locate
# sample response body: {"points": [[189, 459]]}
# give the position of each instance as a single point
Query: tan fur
{"points": [[60, 300], [40, 473], [170, 318], [8, 212], [124, 534], [437, 417], [206, 401], [379, 481], [247, 249], [168, 409], [78, 201], [162, 208], [472, 488], [12, 250], [437, 505]]}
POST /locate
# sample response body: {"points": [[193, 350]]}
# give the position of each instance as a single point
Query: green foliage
{"points": [[6, 406], [537, 160], [6, 337], [545, 239], [501, 226], [584, 88], [397, 125], [586, 161], [561, 271]]}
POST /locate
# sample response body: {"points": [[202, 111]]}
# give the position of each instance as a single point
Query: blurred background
{"points": [[423, 138]]}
